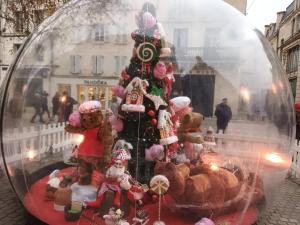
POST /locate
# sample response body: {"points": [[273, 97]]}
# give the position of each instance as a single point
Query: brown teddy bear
{"points": [[204, 190], [95, 149], [190, 123]]}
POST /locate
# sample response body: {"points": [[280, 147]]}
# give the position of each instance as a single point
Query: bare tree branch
{"points": [[21, 16]]}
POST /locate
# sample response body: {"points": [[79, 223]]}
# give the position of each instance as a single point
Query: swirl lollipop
{"points": [[159, 184], [147, 52]]}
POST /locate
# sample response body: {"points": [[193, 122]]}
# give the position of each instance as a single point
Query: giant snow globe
{"points": [[146, 112]]}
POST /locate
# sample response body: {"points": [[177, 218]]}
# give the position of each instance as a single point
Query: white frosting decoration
{"points": [[54, 182], [89, 106], [180, 103]]}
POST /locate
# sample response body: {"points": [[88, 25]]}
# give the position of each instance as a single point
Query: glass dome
{"points": [[170, 111]]}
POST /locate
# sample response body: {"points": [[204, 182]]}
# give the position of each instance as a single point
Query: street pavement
{"points": [[11, 210], [286, 207]]}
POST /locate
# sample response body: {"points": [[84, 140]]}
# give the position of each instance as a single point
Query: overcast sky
{"points": [[262, 12]]}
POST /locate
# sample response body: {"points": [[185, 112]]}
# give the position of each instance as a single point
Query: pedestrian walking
{"points": [[66, 106], [223, 114], [55, 105], [37, 105], [45, 108]]}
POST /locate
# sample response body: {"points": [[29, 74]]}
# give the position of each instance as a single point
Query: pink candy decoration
{"points": [[205, 221], [160, 70], [192, 150], [148, 20], [118, 91], [154, 152], [157, 34], [117, 124], [74, 119]]}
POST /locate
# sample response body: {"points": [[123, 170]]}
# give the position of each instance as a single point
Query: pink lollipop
{"points": [[117, 124]]}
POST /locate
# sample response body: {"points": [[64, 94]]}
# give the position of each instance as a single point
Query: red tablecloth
{"points": [[43, 210]]}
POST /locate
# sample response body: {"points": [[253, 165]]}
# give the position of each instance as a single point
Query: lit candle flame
{"points": [[245, 94], [274, 158], [214, 167], [63, 99], [31, 154], [78, 138]]}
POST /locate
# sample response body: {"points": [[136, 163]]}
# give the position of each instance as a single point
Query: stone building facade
{"points": [[100, 52], [284, 36]]}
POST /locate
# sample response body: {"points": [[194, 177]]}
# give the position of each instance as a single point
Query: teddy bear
{"points": [[95, 149], [189, 124], [203, 190]]}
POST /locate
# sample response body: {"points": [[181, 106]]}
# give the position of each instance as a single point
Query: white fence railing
{"points": [[35, 140], [52, 137], [295, 167]]}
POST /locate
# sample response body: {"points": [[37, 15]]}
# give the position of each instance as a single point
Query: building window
{"points": [[120, 63], [19, 23], [38, 16], [4, 68], [98, 64], [292, 61], [181, 37], [297, 24], [124, 61], [75, 64], [293, 83], [121, 35], [99, 33], [280, 47], [117, 65]]}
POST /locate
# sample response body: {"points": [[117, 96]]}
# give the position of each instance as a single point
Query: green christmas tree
{"points": [[147, 83]]}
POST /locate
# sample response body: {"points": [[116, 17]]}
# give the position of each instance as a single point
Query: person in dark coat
{"points": [[66, 106], [55, 104], [37, 105], [223, 114], [45, 104]]}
